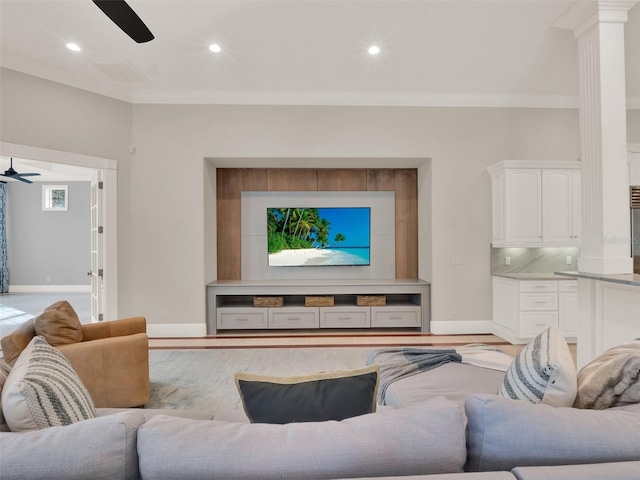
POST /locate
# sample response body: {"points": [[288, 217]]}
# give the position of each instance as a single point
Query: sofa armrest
{"points": [[115, 370], [114, 328]]}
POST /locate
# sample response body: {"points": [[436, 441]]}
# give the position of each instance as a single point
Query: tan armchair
{"points": [[112, 360]]}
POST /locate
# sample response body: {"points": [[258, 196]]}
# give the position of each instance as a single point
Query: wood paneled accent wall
{"points": [[232, 181]]}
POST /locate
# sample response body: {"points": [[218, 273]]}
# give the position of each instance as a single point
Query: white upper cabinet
{"points": [[523, 201], [536, 203], [561, 200]]}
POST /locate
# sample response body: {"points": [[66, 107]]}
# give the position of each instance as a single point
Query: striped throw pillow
{"points": [[43, 390], [543, 372]]}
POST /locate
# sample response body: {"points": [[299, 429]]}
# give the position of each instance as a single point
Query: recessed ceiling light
{"points": [[374, 50], [215, 48], [73, 46]]}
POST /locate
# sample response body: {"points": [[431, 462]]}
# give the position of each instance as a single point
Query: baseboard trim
{"points": [[178, 330], [49, 288], [463, 327]]}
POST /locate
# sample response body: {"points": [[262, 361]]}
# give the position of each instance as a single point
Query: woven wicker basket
{"points": [[371, 300], [322, 301], [268, 301]]}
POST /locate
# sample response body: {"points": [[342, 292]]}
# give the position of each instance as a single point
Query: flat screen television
{"points": [[309, 237]]}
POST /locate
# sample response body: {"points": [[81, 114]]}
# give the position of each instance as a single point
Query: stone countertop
{"points": [[533, 276], [624, 278]]}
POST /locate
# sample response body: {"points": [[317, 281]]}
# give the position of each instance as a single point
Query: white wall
{"points": [[164, 186], [168, 200], [47, 247], [45, 114]]}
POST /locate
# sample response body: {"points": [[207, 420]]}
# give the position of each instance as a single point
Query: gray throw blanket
{"points": [[612, 379], [396, 363]]}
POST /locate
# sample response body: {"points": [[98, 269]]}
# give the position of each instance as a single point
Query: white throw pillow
{"points": [[543, 372], [42, 390]]}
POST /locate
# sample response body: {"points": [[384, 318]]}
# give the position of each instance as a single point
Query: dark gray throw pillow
{"points": [[313, 398]]}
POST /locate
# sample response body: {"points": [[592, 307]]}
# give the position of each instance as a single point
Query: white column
{"points": [[606, 249], [599, 28]]}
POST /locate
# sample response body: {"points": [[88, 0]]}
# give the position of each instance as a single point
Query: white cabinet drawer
{"points": [[242, 318], [294, 317], [568, 286], [396, 316], [533, 323], [345, 317], [535, 286], [538, 301]]}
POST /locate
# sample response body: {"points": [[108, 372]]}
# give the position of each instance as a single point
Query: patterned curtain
{"points": [[4, 267]]}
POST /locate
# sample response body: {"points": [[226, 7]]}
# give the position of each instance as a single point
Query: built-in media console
{"points": [[317, 304]]}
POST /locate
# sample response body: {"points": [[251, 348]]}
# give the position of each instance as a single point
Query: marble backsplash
{"points": [[533, 260]]}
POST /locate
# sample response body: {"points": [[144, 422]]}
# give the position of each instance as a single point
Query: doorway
{"points": [[104, 294]]}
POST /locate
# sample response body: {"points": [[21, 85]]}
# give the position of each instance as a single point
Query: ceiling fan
{"points": [[123, 16], [11, 173]]}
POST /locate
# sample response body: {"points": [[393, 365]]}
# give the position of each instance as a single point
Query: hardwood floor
{"points": [[325, 339]]}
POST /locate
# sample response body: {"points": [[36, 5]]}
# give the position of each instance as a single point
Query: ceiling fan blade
{"points": [[27, 174], [123, 15], [18, 177]]}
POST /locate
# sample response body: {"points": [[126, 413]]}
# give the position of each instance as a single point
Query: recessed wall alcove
{"points": [[231, 182]]}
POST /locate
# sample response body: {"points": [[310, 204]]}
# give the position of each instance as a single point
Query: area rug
{"points": [[203, 380]]}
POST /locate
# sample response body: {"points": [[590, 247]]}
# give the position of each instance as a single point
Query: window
{"points": [[55, 197]]}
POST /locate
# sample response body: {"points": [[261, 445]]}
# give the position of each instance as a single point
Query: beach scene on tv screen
{"points": [[300, 237]]}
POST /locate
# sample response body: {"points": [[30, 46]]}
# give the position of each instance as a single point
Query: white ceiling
{"points": [[311, 51], [49, 172]]}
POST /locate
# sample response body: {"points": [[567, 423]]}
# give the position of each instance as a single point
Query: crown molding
{"points": [[368, 99], [375, 99], [297, 98], [582, 15]]}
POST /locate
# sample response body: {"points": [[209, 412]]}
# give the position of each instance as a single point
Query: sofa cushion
{"points": [[503, 434], [309, 398], [599, 471], [59, 324], [422, 439], [543, 372], [42, 390], [454, 381], [100, 448], [5, 368]]}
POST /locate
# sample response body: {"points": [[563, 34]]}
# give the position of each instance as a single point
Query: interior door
{"points": [[97, 248]]}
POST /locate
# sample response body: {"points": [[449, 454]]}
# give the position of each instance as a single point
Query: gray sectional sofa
{"points": [[477, 436]]}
